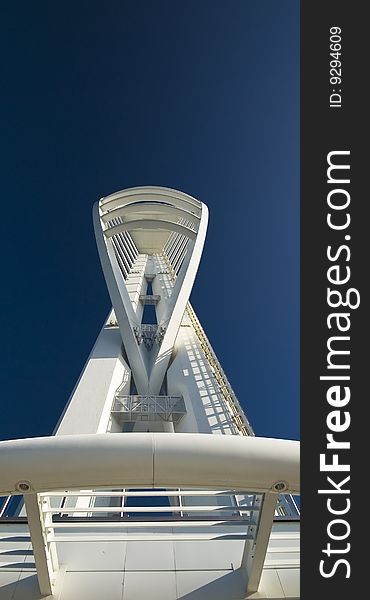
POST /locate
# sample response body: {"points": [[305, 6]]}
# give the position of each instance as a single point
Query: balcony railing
{"points": [[148, 334], [10, 506], [148, 408], [151, 299]]}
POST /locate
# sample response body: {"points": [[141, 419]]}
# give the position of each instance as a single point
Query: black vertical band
{"points": [[334, 128]]}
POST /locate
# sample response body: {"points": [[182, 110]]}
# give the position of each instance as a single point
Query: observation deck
{"points": [[148, 408]]}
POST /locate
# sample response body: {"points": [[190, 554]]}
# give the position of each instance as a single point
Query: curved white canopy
{"points": [[149, 460]]}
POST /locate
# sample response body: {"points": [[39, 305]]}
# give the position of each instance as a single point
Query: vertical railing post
{"points": [[44, 551], [254, 557]]}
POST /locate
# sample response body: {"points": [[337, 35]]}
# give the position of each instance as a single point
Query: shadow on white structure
{"points": [[154, 484]]}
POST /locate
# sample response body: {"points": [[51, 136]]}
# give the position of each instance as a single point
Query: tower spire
{"points": [[154, 482]]}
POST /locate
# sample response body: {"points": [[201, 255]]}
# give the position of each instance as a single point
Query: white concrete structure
{"points": [[154, 485]]}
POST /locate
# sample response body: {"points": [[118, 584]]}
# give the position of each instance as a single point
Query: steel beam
{"points": [[255, 558], [45, 556]]}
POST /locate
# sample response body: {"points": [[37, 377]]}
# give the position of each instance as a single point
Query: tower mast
{"points": [[154, 482]]}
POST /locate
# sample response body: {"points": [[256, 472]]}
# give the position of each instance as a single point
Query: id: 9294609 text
{"points": [[335, 63]]}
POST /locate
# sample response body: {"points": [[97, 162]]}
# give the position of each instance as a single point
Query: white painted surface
{"points": [[192, 376], [93, 585], [92, 398], [96, 570], [154, 459], [156, 586]]}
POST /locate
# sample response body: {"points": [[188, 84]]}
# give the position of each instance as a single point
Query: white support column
{"points": [[168, 426], [44, 552], [126, 316], [253, 559]]}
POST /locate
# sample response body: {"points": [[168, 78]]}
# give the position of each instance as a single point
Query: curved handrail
{"points": [[149, 460]]}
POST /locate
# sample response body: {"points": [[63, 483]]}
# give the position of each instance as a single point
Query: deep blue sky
{"points": [[202, 96]]}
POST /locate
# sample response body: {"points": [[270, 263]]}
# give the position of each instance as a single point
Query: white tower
{"points": [[154, 485]]}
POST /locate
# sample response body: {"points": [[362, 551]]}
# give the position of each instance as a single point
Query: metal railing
{"points": [[150, 515], [149, 299], [126, 514], [287, 507], [148, 408], [148, 334], [10, 506]]}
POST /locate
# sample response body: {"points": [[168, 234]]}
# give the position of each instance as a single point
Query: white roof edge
{"points": [[150, 460], [151, 189]]}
